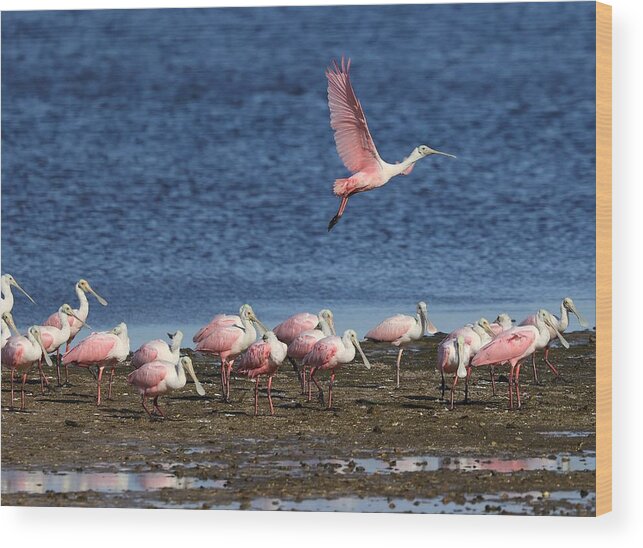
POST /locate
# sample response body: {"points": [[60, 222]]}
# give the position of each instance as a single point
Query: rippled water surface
{"points": [[182, 161]]}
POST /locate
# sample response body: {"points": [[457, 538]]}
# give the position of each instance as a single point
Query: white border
{"points": [[113, 528]]}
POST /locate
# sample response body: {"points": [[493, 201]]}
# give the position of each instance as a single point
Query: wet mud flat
{"points": [[379, 449]]}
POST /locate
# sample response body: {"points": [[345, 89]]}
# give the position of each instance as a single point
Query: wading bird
{"points": [[6, 299], [288, 330], [566, 306], [80, 314], [228, 340], [158, 377], [400, 330], [54, 337], [514, 345], [222, 320], [263, 358], [457, 349], [101, 350], [304, 342], [159, 350], [329, 354], [20, 353], [355, 145]]}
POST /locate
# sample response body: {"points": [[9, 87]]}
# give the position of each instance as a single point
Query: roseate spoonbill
{"points": [[400, 330], [54, 337], [7, 326], [101, 350], [330, 353], [355, 145], [514, 345], [456, 350], [566, 306], [228, 340], [288, 330], [158, 377], [20, 353], [263, 358], [80, 314], [6, 300], [159, 350], [221, 320], [304, 342]]}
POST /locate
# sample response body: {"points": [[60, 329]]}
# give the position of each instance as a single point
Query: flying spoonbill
{"points": [[355, 145]]}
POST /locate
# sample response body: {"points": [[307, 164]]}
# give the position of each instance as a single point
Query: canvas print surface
{"points": [[316, 258]]}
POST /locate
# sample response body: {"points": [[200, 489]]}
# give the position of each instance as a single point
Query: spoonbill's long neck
{"points": [[407, 162], [251, 332], [7, 296], [419, 318], [83, 309], [64, 324], [176, 349], [325, 328], [564, 318], [349, 349]]}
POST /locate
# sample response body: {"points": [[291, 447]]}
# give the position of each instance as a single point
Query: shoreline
{"points": [[378, 446]]}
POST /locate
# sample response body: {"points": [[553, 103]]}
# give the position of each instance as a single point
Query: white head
{"points": [[120, 329], [9, 280], [84, 285], [351, 335], [423, 311], [425, 150], [328, 317], [571, 307], [8, 319], [67, 310], [248, 314], [484, 323], [545, 318], [504, 321], [34, 332]]}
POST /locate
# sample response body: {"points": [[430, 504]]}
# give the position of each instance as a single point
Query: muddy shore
{"points": [[378, 449]]}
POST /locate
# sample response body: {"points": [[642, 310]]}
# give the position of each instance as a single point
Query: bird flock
{"points": [[307, 341]]}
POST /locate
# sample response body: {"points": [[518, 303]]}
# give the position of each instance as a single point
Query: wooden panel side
{"points": [[603, 258]]}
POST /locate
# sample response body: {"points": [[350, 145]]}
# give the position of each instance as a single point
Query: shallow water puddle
{"points": [[567, 434], [529, 503], [561, 463], [38, 482]]}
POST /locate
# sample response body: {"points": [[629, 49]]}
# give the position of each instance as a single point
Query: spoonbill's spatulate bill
{"points": [[355, 145]]}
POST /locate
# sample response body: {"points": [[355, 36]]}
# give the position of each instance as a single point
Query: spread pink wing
{"points": [[95, 348], [323, 352], [148, 375], [507, 346], [289, 329], [353, 139], [220, 339], [145, 354], [391, 328], [219, 320], [255, 358]]}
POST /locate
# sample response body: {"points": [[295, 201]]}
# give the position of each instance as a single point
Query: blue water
{"points": [[182, 161]]}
